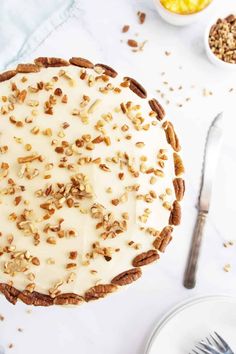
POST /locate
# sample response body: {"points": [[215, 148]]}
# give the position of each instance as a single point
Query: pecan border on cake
{"points": [[161, 241]]}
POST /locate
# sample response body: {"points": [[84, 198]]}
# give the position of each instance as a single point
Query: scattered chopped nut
{"points": [[227, 268], [125, 28], [141, 17], [132, 43]]}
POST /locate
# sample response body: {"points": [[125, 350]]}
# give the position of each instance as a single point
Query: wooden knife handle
{"points": [[191, 270]]}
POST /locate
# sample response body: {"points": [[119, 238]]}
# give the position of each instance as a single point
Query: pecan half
{"points": [[230, 18], [35, 298], [7, 75], [178, 163], [81, 62], [107, 70], [99, 291], [10, 293], [171, 136], [27, 68], [145, 258], [136, 87], [162, 240], [179, 187], [46, 62], [68, 299], [127, 277], [175, 215], [157, 107]]}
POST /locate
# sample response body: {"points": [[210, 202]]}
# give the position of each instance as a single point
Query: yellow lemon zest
{"points": [[185, 7]]}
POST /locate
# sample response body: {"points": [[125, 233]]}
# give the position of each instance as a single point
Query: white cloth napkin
{"points": [[25, 24]]}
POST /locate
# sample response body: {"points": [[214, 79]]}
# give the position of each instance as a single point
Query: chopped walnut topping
{"points": [[121, 176], [50, 261], [125, 216], [140, 144], [104, 167], [58, 92], [64, 99], [54, 291], [31, 277], [167, 205], [35, 261], [71, 266], [73, 255], [30, 287], [3, 149], [94, 106], [115, 202], [17, 200]]}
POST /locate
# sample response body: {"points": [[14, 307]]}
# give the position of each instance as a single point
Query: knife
{"points": [[211, 154]]}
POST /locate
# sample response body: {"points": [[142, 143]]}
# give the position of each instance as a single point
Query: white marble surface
{"points": [[122, 323]]}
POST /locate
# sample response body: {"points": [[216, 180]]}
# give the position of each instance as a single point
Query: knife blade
{"points": [[210, 160], [212, 150]]}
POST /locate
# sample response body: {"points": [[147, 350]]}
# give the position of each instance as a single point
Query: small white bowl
{"points": [[211, 56], [179, 19]]}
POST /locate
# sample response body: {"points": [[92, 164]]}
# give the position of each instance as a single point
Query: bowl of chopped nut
{"points": [[220, 41], [182, 12]]}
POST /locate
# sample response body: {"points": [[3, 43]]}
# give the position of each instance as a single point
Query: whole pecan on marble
{"points": [[81, 62], [48, 62], [99, 291], [145, 258], [136, 87], [127, 277], [162, 240], [7, 75], [175, 215], [157, 107], [179, 187], [107, 70]]}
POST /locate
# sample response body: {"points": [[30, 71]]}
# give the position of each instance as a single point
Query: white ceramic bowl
{"points": [[211, 56], [178, 19]]}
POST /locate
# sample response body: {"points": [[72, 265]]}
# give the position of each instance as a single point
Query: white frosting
{"points": [[46, 275]]}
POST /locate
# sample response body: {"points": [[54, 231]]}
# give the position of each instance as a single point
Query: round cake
{"points": [[90, 181]]}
